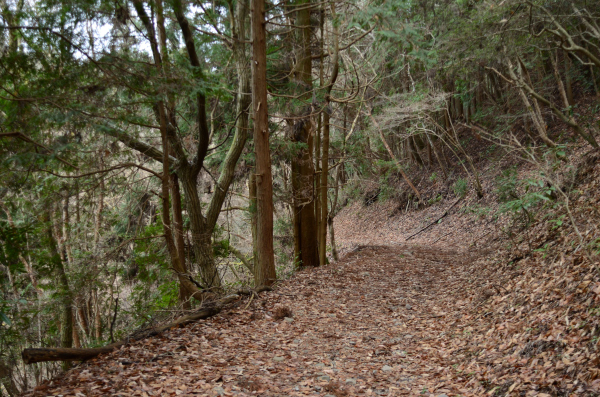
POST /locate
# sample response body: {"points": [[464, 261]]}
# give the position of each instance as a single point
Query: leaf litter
{"points": [[392, 320]]}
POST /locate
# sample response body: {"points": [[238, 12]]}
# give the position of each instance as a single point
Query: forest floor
{"points": [[379, 322], [395, 317]]}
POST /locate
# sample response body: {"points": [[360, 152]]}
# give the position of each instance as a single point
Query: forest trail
{"points": [[378, 322]]}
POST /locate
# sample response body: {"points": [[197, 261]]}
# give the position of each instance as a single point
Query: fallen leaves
{"points": [[384, 321]]}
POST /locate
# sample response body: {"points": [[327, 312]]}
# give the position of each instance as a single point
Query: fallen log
{"points": [[36, 355]]}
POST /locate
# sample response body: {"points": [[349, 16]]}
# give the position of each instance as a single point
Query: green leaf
{"points": [[4, 318]]}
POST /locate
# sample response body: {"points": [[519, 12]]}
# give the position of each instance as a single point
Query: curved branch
{"points": [[135, 144], [203, 132], [116, 167]]}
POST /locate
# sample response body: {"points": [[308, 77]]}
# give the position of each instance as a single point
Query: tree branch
{"points": [[25, 138]]}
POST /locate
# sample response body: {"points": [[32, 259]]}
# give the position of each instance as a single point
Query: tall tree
{"points": [[303, 172], [264, 263]]}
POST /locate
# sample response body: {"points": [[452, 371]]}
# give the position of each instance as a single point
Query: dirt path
{"points": [[376, 323]]}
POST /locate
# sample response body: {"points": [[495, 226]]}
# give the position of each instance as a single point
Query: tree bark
{"points": [[253, 215], [6, 379], [535, 114], [66, 296], [264, 261], [184, 293], [66, 228], [305, 225], [324, 219]]}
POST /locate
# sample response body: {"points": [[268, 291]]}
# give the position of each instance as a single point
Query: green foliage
{"points": [[221, 248], [595, 246], [460, 187], [522, 197], [4, 319], [481, 211], [435, 199], [284, 245], [506, 185]]}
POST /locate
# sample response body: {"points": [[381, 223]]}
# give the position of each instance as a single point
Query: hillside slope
{"points": [[531, 324], [394, 319]]}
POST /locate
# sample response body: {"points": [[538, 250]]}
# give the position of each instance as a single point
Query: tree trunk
{"points": [[568, 83], [264, 261], [324, 218], [201, 234], [97, 228], [437, 157], [253, 220], [184, 293], [6, 380], [334, 251], [534, 112], [66, 228], [76, 341], [324, 179], [83, 320], [97, 317], [302, 165], [98, 218], [66, 297]]}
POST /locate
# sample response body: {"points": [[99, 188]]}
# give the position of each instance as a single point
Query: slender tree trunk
{"points": [[568, 83], [185, 290], [83, 320], [97, 228], [534, 112], [98, 218], [264, 261], [593, 76], [437, 157], [324, 218], [66, 300], [319, 200], [332, 212], [6, 380], [561, 88], [97, 316], [66, 228], [324, 179], [415, 150], [184, 293], [76, 340]]}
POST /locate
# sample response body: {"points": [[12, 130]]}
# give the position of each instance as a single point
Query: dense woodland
{"points": [[157, 156]]}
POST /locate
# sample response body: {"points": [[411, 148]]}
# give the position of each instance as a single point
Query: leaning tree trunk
{"points": [[7, 381]]}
